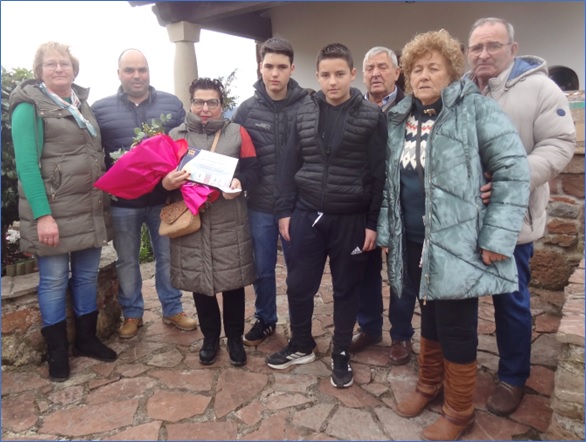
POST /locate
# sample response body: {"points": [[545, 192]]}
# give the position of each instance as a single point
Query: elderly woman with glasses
{"points": [[445, 246], [64, 220], [217, 257]]}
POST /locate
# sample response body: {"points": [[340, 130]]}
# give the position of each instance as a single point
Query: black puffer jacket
{"points": [[118, 117], [343, 177], [268, 124]]}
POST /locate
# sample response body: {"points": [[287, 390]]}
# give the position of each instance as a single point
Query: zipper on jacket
{"points": [[427, 219]]}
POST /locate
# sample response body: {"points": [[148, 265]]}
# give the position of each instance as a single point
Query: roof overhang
{"points": [[242, 19]]}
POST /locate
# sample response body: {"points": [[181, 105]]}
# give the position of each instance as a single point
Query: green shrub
{"points": [[146, 250], [10, 79]]}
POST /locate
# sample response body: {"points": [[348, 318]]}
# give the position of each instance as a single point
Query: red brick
{"points": [[562, 227], [573, 185], [563, 199]]}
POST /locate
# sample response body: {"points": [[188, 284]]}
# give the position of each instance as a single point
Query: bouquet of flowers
{"points": [[151, 157]]}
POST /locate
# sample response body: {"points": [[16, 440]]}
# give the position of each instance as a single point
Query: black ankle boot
{"points": [[209, 350], [236, 351], [86, 341], [58, 349]]}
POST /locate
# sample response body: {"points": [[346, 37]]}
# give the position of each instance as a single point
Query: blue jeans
{"points": [[127, 224], [370, 306], [54, 279], [264, 230], [512, 317]]}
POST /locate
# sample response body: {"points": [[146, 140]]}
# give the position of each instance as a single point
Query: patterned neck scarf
{"points": [[72, 107]]}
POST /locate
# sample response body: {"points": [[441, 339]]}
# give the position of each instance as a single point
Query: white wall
{"points": [[554, 31]]}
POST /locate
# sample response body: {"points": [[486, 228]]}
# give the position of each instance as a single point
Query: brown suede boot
{"points": [[458, 409], [429, 383]]}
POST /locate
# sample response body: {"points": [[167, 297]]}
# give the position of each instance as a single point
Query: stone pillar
{"points": [[184, 35]]}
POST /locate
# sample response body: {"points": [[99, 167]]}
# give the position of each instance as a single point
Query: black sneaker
{"points": [[236, 351], [288, 356], [258, 333], [209, 350], [341, 371]]}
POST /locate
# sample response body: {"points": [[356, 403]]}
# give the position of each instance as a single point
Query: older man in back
{"points": [[118, 115], [380, 70], [540, 112]]}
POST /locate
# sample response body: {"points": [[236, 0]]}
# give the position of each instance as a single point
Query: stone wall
{"points": [[567, 401], [559, 252], [22, 342]]}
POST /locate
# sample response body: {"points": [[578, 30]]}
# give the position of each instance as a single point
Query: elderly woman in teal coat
{"points": [[445, 246]]}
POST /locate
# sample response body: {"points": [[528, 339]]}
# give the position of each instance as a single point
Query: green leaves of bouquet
{"points": [[146, 130]]}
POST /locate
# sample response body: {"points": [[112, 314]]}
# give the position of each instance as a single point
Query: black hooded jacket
{"points": [[268, 122]]}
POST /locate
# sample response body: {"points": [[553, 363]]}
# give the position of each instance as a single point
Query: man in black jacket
{"points": [[118, 115], [329, 192], [267, 116], [381, 71]]}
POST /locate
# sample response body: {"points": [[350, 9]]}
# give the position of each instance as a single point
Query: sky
{"points": [[98, 31]]}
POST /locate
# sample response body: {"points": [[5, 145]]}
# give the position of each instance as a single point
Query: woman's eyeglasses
{"points": [[52, 65], [198, 104]]}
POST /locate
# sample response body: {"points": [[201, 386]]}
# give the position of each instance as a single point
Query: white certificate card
{"points": [[210, 168]]}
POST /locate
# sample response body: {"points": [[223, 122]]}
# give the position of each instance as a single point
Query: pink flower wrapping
{"points": [[139, 170], [198, 197]]}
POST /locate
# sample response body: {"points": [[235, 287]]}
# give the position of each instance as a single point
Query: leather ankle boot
{"points": [[209, 351], [86, 341], [58, 350], [429, 383], [458, 409], [236, 351]]}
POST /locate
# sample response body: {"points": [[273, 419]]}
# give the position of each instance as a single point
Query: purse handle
{"points": [[215, 142]]}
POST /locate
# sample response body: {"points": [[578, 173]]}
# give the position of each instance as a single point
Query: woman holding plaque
{"points": [[217, 257]]}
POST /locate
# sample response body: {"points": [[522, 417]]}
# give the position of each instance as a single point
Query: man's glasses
{"points": [[198, 104], [52, 65], [491, 48]]}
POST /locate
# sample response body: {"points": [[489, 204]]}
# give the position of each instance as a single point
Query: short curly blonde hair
{"points": [[52, 46], [422, 44]]}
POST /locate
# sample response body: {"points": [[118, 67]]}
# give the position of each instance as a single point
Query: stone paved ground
{"points": [[157, 390]]}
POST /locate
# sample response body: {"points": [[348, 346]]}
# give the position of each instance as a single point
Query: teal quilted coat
{"points": [[471, 135]]}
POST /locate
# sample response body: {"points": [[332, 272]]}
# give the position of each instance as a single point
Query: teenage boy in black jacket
{"points": [[329, 190], [267, 116]]}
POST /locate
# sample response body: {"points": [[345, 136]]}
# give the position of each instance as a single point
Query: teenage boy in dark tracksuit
{"points": [[329, 192]]}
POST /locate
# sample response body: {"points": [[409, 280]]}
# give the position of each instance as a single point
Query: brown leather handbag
{"points": [[177, 220]]}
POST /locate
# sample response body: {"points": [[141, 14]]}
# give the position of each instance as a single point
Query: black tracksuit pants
{"points": [[314, 238]]}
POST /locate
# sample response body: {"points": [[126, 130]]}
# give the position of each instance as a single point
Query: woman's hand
{"points": [[48, 231], [173, 180], [489, 257], [235, 185]]}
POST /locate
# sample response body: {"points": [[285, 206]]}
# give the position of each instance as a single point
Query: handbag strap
{"points": [[215, 142]]}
